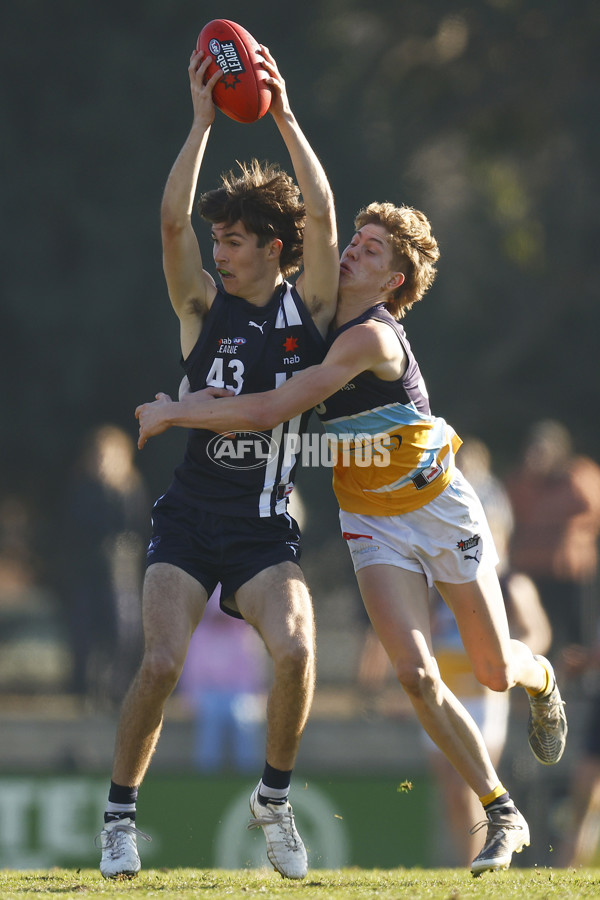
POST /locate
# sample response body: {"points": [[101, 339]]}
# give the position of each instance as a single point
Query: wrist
{"points": [[284, 117], [181, 412], [200, 126]]}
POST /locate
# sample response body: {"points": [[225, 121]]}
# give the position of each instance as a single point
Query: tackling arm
{"points": [[361, 347]]}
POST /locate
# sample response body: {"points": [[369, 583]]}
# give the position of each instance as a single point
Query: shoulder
{"points": [[365, 344], [215, 300], [212, 289], [374, 334], [196, 306], [296, 312], [320, 305]]}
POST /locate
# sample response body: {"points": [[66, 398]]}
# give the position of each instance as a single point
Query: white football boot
{"points": [[285, 849], [507, 833], [119, 848], [547, 722]]}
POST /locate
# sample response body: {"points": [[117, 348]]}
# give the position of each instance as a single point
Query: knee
{"points": [[296, 655], [160, 669], [420, 681], [495, 677]]}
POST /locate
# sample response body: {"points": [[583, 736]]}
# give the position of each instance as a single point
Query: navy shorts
{"points": [[215, 549]]}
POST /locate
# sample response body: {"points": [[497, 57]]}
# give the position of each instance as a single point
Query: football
{"points": [[241, 93]]}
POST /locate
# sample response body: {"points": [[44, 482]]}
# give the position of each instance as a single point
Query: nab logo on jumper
{"points": [[247, 351]]}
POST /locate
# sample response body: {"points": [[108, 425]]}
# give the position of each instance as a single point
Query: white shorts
{"points": [[446, 540]]}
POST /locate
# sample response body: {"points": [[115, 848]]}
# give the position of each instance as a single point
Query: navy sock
{"points": [[503, 801], [274, 785], [121, 802]]}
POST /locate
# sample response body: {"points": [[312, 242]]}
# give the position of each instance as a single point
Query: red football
{"points": [[241, 93]]}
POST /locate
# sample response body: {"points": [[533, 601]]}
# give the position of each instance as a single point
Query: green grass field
{"points": [[353, 884]]}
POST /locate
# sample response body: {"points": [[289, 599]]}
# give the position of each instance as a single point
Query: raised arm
{"points": [[318, 283], [191, 289], [364, 347]]}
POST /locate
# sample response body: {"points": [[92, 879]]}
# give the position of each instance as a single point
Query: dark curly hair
{"points": [[415, 250], [268, 203]]}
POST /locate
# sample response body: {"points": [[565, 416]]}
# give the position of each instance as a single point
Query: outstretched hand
{"points": [[202, 99], [162, 413], [279, 104]]}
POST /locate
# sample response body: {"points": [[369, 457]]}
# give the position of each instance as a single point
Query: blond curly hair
{"points": [[415, 250]]}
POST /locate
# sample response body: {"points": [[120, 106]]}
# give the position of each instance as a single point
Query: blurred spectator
{"points": [[104, 533], [556, 501], [32, 646], [17, 557], [581, 843], [223, 681]]}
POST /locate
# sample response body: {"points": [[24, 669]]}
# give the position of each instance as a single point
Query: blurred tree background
{"points": [[483, 113]]}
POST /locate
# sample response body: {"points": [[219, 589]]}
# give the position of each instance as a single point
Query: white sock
{"points": [[117, 809], [269, 793]]}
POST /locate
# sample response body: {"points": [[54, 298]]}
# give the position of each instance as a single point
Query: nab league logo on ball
{"points": [[242, 450], [226, 56]]}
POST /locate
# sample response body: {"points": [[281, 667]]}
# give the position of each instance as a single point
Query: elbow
{"points": [[171, 221], [328, 209], [324, 213]]}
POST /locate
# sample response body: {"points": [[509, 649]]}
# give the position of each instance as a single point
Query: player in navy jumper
{"points": [[223, 519]]}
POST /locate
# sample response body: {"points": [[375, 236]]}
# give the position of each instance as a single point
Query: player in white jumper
{"points": [[410, 518]]}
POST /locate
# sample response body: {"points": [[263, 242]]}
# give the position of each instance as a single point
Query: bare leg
{"points": [[277, 603], [462, 805], [173, 604], [398, 606], [499, 662], [462, 808]]}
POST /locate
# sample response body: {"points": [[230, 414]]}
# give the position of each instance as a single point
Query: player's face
{"points": [[240, 262], [366, 263]]}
